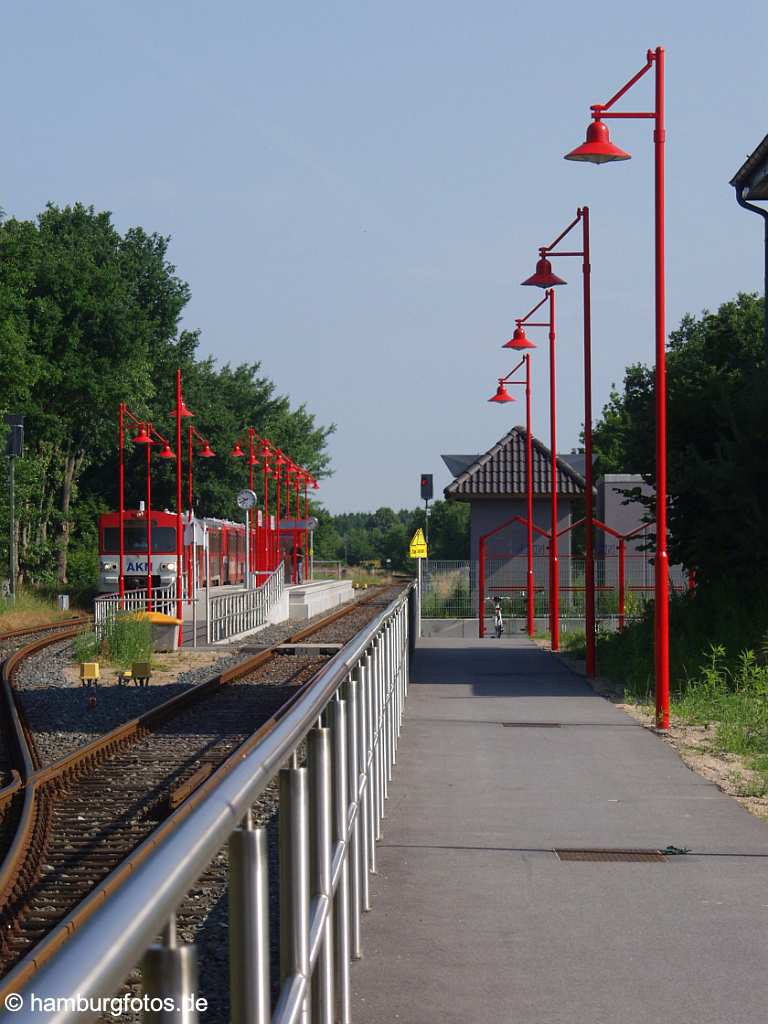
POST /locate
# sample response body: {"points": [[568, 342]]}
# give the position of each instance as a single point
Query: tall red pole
{"points": [[279, 466], [529, 488], [188, 559], [589, 554], [622, 586], [662, 557], [306, 531], [265, 481], [481, 587], [189, 468], [121, 501], [149, 523], [253, 516], [554, 566], [179, 524]]}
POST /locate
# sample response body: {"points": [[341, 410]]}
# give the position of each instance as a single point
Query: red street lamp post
{"points": [[266, 472], [544, 278], [519, 341], [179, 411], [205, 452], [598, 149], [143, 435], [502, 395]]}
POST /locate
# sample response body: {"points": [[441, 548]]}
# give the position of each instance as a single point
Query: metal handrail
{"points": [[242, 611], [106, 605], [359, 737]]}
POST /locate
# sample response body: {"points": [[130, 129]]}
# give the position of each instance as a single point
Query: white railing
{"points": [[243, 610], [109, 605]]}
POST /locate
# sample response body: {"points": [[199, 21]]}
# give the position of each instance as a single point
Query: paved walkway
{"points": [[476, 921]]}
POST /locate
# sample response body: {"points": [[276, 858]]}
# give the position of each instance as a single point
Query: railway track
{"points": [[98, 811]]}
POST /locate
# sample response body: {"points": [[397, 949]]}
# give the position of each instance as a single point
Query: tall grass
{"points": [[123, 640], [718, 669], [29, 609]]}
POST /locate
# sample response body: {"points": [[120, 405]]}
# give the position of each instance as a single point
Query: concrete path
{"points": [[476, 921]]}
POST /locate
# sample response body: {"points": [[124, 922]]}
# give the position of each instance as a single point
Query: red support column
{"points": [[662, 558], [529, 489], [554, 610], [622, 589], [121, 502], [589, 554], [149, 523], [179, 524], [481, 587]]}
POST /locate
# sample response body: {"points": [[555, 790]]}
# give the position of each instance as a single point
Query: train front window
{"points": [[163, 539]]}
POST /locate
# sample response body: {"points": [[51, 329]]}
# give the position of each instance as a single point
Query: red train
{"points": [[226, 549]]}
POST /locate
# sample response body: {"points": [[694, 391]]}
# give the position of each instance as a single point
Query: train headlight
{"points": [[108, 566], [168, 566]]}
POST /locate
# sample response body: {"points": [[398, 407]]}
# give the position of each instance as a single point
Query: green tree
{"points": [[717, 433]]}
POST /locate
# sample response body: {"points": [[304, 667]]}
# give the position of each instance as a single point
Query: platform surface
{"points": [[476, 921]]}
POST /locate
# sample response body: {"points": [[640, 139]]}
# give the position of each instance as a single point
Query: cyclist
{"points": [[498, 620]]}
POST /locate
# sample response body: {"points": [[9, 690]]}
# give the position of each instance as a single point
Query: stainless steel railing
{"points": [[108, 605], [243, 610], [331, 811]]}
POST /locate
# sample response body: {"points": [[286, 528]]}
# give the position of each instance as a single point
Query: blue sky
{"points": [[355, 190]]}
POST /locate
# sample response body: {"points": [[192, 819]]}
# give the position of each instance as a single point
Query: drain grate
{"points": [[600, 856], [530, 725]]}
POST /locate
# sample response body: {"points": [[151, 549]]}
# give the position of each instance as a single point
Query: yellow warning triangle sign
{"points": [[418, 545]]}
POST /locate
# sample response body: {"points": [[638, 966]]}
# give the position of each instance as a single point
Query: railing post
{"points": [[294, 883], [249, 926], [337, 711], [169, 973], [370, 759], [364, 784], [351, 694], [321, 842]]}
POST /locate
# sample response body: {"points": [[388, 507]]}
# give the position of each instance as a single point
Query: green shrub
{"points": [[86, 647], [122, 640]]}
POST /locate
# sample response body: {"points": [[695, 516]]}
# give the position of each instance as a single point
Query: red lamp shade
{"points": [[315, 485], [254, 460], [237, 452], [502, 395], [598, 149], [206, 452], [141, 436], [166, 452], [184, 411], [544, 278], [519, 341]]}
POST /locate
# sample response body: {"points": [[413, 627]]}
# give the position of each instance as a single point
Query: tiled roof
{"points": [[500, 472]]}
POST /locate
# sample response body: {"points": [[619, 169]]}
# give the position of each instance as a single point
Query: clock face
{"points": [[246, 499]]}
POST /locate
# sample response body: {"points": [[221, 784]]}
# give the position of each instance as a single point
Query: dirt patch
{"points": [[166, 668], [695, 744]]}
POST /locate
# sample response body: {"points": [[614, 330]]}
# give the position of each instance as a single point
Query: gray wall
{"points": [[513, 540], [621, 517]]}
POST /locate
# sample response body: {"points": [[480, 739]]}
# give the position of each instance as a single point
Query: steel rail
{"points": [[126, 919]]}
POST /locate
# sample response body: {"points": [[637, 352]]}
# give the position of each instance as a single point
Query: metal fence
{"points": [[322, 569], [450, 589], [107, 606], [242, 611], [339, 742]]}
